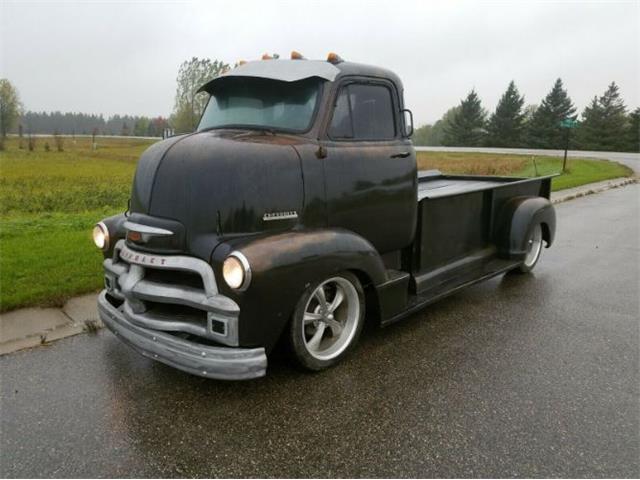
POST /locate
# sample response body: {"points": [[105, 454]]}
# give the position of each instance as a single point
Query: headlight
{"points": [[236, 271], [101, 236]]}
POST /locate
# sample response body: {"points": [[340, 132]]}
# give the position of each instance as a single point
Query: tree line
{"points": [[86, 124], [188, 107], [604, 124], [13, 119]]}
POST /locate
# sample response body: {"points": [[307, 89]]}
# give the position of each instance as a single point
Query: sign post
{"points": [[567, 124]]}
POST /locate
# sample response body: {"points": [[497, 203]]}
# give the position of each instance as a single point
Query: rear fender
{"points": [[515, 221]]}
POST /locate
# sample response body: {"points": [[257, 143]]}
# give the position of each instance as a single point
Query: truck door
{"points": [[370, 169]]}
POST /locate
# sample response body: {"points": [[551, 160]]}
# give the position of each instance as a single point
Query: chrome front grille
{"points": [[172, 293]]}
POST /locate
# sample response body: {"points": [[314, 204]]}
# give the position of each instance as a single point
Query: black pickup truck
{"points": [[295, 208]]}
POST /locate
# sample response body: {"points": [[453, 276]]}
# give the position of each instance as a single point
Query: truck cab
{"points": [[294, 212]]}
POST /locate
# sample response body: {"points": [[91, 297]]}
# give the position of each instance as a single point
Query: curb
{"points": [[591, 188], [32, 327]]}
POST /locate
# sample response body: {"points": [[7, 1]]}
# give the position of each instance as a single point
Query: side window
{"points": [[363, 112], [341, 126]]}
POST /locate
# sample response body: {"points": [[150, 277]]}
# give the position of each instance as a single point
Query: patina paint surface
{"points": [[302, 207]]}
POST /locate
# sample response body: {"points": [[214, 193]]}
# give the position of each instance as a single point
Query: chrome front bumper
{"points": [[226, 363], [155, 305]]}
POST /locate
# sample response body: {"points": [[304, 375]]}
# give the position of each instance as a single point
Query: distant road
{"points": [[86, 135], [632, 160]]}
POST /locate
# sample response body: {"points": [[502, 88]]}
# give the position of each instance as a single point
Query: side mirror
{"points": [[407, 122]]}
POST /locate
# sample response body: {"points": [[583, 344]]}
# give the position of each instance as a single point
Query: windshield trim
{"points": [[264, 128]]}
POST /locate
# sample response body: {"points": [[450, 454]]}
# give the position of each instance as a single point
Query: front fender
{"points": [[283, 266], [515, 220]]}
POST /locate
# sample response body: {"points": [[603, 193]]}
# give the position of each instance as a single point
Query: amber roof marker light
{"points": [[266, 56], [297, 55], [334, 58]]}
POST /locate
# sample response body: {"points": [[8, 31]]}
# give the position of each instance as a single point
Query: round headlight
{"points": [[236, 271], [101, 236]]}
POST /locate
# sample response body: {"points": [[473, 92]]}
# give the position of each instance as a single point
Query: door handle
{"points": [[401, 155]]}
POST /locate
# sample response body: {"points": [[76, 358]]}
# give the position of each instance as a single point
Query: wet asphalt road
{"points": [[519, 376]]}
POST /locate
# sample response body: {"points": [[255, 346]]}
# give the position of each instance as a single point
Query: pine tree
{"points": [[633, 132], [544, 129], [466, 129], [591, 126], [604, 122], [506, 123]]}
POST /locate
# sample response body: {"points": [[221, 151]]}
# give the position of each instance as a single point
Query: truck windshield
{"points": [[261, 103]]}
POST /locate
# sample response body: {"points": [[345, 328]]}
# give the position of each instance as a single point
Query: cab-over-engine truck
{"points": [[294, 208]]}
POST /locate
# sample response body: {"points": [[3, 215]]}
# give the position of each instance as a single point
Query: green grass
{"points": [[45, 259], [580, 171], [76, 180], [49, 202]]}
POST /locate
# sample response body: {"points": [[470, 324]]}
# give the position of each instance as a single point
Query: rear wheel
{"points": [[327, 321], [534, 249]]}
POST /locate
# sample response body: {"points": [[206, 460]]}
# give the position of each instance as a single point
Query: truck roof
{"points": [[295, 70]]}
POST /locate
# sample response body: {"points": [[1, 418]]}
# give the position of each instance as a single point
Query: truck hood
{"points": [[219, 183]]}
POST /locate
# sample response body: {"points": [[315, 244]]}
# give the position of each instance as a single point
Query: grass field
{"points": [[49, 202], [579, 171]]}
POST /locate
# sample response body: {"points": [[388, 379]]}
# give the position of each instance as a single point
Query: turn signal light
{"points": [[334, 58], [135, 237]]}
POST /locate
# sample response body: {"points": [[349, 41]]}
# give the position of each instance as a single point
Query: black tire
{"points": [[302, 330], [536, 243]]}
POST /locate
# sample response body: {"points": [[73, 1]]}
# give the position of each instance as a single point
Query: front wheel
{"points": [[327, 321], [534, 249]]}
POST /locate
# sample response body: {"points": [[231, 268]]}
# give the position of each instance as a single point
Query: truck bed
{"points": [[458, 221], [434, 184]]}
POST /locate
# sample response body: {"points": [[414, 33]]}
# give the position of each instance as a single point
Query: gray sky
{"points": [[123, 57]]}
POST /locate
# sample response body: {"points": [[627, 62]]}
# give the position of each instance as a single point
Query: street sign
{"points": [[568, 123]]}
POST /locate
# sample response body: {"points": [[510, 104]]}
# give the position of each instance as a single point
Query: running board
{"points": [[418, 302]]}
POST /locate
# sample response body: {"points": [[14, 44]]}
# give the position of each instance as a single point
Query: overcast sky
{"points": [[123, 57]]}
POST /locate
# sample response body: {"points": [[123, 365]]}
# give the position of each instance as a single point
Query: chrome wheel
{"points": [[330, 318], [534, 247]]}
